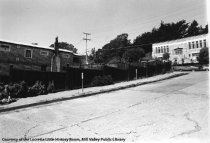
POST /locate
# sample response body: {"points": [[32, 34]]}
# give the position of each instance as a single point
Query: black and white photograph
{"points": [[104, 71]]}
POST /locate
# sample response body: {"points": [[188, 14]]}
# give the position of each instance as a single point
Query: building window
{"points": [[164, 50], [161, 49], [156, 49], [204, 43], [195, 54], [167, 49], [193, 45], [189, 45], [197, 44], [44, 53], [178, 51], [189, 55], [5, 48], [28, 53], [66, 56], [200, 43]]}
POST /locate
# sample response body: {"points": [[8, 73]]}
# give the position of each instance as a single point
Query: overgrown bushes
{"points": [[22, 90], [37, 89], [17, 89], [102, 80]]}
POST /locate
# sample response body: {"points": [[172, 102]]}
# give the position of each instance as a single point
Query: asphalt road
{"points": [[173, 109]]}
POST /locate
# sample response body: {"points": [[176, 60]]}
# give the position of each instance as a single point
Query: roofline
{"points": [[76, 54], [180, 40], [36, 46]]}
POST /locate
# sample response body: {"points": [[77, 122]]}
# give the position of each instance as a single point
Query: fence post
{"points": [[136, 74], [147, 69], [128, 71], [82, 76]]}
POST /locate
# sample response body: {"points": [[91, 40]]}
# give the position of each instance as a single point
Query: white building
{"points": [[185, 49]]}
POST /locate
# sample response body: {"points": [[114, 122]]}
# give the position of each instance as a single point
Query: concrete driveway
{"points": [[172, 110]]}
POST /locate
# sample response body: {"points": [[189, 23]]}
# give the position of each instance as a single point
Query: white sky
{"points": [[40, 21]]}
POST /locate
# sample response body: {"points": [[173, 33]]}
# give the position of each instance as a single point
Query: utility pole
{"points": [[86, 39]]}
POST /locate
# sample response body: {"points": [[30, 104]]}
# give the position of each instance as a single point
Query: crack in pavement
{"points": [[89, 130], [77, 124], [155, 98], [84, 121], [48, 132], [197, 128], [135, 130], [98, 117], [29, 130], [146, 101]]}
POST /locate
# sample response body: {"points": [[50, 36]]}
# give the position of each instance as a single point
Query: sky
{"points": [[40, 21]]}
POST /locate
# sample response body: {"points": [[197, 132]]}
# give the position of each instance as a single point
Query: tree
{"points": [[165, 32], [193, 29], [115, 48], [133, 55], [65, 45], [99, 57], [203, 30], [144, 41], [203, 57], [92, 54], [166, 56]]}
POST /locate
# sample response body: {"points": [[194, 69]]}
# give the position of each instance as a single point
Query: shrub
{"points": [[203, 57], [102, 80], [166, 56], [13, 90], [50, 87], [23, 89], [37, 89], [1, 91], [18, 90]]}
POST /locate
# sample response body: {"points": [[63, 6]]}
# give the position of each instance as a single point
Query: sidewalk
{"points": [[72, 94]]}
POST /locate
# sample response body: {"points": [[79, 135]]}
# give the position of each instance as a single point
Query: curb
{"points": [[87, 94]]}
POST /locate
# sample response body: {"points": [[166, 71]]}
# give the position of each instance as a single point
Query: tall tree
{"points": [[193, 29], [92, 54], [165, 32], [115, 48], [203, 30], [133, 55]]}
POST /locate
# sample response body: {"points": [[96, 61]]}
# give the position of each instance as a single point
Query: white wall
{"points": [[187, 54]]}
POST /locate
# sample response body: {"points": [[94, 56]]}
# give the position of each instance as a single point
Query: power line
{"points": [[126, 47], [78, 42]]}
